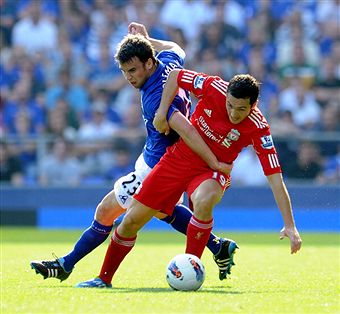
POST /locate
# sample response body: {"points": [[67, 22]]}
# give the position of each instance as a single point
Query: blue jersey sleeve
{"points": [[168, 56]]}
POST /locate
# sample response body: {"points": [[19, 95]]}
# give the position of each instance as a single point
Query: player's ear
{"points": [[149, 64]]}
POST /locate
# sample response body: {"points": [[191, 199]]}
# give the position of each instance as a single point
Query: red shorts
{"points": [[172, 176]]}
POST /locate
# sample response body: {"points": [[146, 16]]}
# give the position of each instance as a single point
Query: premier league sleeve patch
{"points": [[267, 142], [198, 82]]}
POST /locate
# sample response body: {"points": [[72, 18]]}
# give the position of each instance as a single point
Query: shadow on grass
{"points": [[211, 290], [217, 290]]}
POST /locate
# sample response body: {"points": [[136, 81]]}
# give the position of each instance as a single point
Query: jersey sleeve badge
{"points": [[198, 82], [267, 142]]}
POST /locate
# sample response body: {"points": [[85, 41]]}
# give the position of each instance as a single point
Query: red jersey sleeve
{"points": [[266, 152], [193, 82]]}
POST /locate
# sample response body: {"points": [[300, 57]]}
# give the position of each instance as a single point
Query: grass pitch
{"points": [[266, 279]]}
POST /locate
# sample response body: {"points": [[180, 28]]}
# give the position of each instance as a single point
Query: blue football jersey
{"points": [[151, 94]]}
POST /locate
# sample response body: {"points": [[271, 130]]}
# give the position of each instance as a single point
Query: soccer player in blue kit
{"points": [[147, 72]]}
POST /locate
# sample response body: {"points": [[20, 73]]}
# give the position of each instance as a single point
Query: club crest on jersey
{"points": [[267, 142], [198, 82], [233, 135]]}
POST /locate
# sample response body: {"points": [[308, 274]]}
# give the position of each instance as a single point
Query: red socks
{"points": [[198, 234], [118, 248]]}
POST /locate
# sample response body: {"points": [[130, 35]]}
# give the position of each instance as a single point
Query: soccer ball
{"points": [[185, 272]]}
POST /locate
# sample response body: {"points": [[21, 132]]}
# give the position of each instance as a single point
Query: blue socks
{"points": [[92, 237], [179, 220]]}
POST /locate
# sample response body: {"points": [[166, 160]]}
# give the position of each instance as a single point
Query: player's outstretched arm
{"points": [[159, 45], [283, 202]]}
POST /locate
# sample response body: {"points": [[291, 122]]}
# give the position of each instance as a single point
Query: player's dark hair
{"points": [[244, 86], [134, 46]]}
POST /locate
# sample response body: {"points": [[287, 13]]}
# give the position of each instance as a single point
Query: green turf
{"points": [[266, 279]]}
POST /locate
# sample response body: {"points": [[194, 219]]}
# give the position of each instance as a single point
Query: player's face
{"points": [[136, 72], [238, 108]]}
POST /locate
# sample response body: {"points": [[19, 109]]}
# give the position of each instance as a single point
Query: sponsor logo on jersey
{"points": [[198, 82], [208, 112], [267, 142], [233, 135], [204, 126]]}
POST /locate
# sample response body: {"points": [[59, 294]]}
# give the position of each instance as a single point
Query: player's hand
{"points": [[136, 28], [160, 123], [224, 167], [294, 237]]}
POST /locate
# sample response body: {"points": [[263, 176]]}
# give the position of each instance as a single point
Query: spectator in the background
{"points": [[21, 102], [75, 94], [300, 101], [269, 81], [329, 32], [298, 65], [10, 68], [331, 169], [235, 15], [327, 86], [112, 114], [66, 57], [259, 40], [336, 56], [297, 53], [93, 141], [330, 123], [187, 15], [35, 33], [126, 98], [17, 65], [104, 73], [213, 37], [330, 118], [11, 168], [76, 25], [56, 122], [124, 161], [7, 19], [60, 167], [107, 27], [133, 130], [248, 170], [50, 9], [70, 115], [282, 125], [147, 12], [24, 143], [306, 165]]}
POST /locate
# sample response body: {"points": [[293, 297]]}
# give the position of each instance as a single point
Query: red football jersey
{"points": [[224, 138]]}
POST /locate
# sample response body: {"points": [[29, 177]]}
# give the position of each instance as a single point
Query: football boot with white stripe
{"points": [[94, 283], [225, 257], [50, 269]]}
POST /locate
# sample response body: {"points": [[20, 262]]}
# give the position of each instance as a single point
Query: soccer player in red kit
{"points": [[228, 119]]}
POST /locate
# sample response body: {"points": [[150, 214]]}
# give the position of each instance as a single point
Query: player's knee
{"points": [[107, 210], [130, 225], [204, 202]]}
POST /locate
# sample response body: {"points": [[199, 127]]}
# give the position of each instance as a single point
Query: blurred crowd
{"points": [[68, 117]]}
